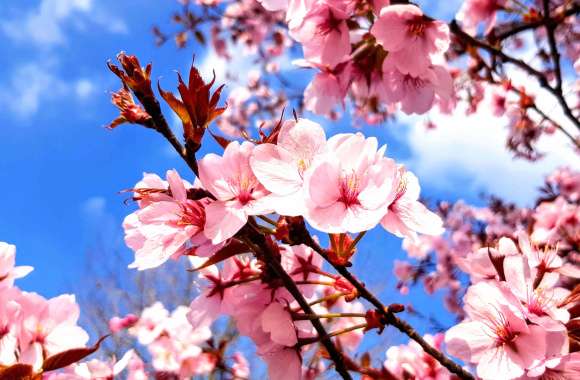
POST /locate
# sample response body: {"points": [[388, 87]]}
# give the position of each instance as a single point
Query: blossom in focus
{"points": [[238, 192], [496, 337], [407, 216], [349, 189], [280, 167], [163, 228]]}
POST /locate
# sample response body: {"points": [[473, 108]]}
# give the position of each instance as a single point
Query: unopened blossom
{"points": [[406, 216], [281, 167], [411, 38], [349, 190], [496, 337], [238, 192]]}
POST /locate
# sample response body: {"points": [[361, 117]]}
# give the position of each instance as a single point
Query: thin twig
{"points": [[302, 236], [258, 241]]}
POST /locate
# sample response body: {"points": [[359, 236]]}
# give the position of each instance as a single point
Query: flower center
{"points": [[192, 214], [412, 82], [417, 26], [349, 189], [244, 187]]}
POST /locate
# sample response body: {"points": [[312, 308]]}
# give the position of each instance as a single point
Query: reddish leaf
{"points": [[66, 358], [235, 247], [17, 372], [220, 140]]}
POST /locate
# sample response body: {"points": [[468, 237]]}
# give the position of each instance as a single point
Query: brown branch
{"points": [[511, 29], [555, 55], [542, 80], [153, 108], [300, 235], [273, 261]]}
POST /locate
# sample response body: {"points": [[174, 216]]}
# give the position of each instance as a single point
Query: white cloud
{"points": [[94, 207], [238, 67], [28, 85], [42, 30], [84, 88], [467, 154], [44, 25], [473, 148]]}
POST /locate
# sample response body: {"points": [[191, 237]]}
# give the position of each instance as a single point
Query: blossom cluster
{"points": [[521, 306], [387, 56], [517, 313], [33, 329], [551, 223], [397, 60], [174, 346], [343, 184], [340, 185]]}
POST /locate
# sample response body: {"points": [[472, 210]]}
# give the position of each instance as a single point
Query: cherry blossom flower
{"points": [[48, 327], [9, 272], [238, 192], [474, 12], [407, 216], [417, 94], [280, 167], [411, 39], [496, 337], [327, 89], [350, 189], [323, 34], [163, 228]]}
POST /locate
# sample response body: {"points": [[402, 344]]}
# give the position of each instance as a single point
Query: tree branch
{"points": [[273, 262], [542, 80], [301, 235], [153, 108]]}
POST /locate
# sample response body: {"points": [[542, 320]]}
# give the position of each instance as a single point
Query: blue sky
{"points": [[61, 170]]}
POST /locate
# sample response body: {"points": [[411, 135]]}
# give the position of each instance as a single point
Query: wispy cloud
{"points": [[468, 152], [29, 84], [41, 32], [46, 26]]}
